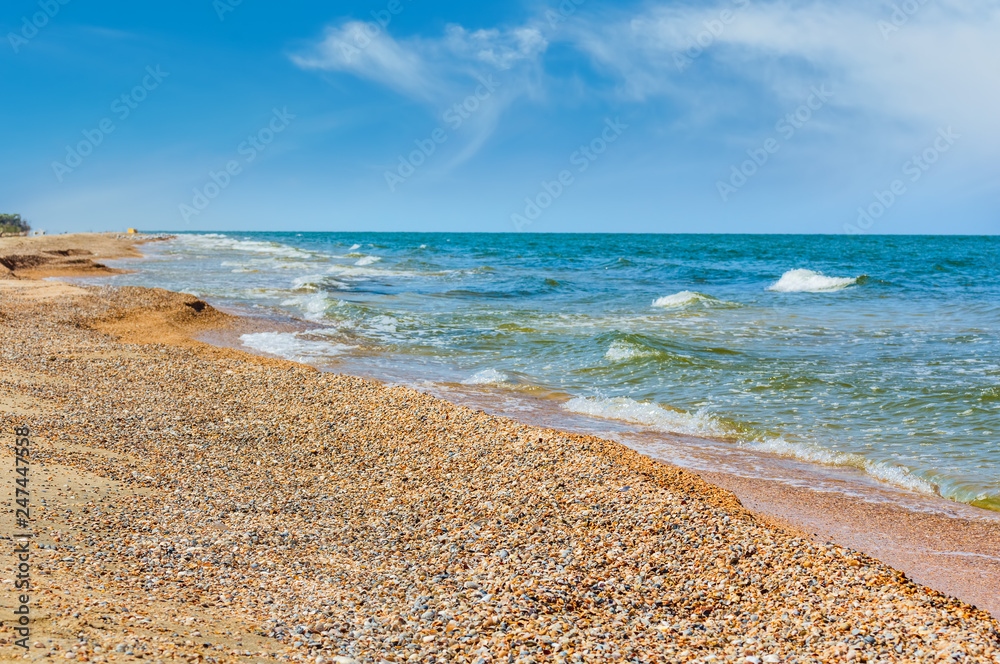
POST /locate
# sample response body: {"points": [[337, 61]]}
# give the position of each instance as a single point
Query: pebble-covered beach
{"points": [[201, 504]]}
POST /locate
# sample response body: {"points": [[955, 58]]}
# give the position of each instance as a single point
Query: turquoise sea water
{"points": [[880, 353]]}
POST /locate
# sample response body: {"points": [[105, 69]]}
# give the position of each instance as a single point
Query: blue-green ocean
{"points": [[878, 353]]}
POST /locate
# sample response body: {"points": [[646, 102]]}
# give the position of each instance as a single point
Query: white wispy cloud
{"points": [[937, 64], [499, 49], [898, 72], [349, 48], [438, 71]]}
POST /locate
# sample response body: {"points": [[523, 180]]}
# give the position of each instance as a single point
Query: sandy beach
{"points": [[197, 503]]}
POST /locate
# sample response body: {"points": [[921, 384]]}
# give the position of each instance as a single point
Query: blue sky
{"points": [[584, 115]]}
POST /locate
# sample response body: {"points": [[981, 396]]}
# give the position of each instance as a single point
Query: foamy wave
{"points": [[688, 298], [896, 475], [314, 282], [217, 242], [368, 260], [354, 246], [291, 346], [807, 281], [622, 351], [362, 270], [310, 282], [251, 265], [648, 414], [313, 305], [385, 324], [703, 424], [488, 377]]}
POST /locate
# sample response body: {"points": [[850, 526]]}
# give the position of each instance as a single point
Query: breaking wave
{"points": [[648, 414], [897, 475], [807, 281], [702, 423], [294, 346], [690, 298], [488, 377], [622, 351]]}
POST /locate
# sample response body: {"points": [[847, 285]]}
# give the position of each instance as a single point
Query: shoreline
{"points": [[949, 546], [70, 255], [456, 477]]}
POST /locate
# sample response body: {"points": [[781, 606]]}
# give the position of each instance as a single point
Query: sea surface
{"points": [[879, 354]]}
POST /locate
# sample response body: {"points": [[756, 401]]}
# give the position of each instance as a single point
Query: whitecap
{"points": [[648, 414], [291, 346], [688, 298], [384, 324], [622, 351], [309, 282], [704, 424], [488, 377], [217, 242], [807, 281], [313, 305], [368, 260], [892, 474], [356, 271]]}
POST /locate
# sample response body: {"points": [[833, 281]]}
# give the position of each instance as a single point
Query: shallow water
{"points": [[880, 354]]}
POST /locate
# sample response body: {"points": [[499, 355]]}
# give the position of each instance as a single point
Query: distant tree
{"points": [[12, 223]]}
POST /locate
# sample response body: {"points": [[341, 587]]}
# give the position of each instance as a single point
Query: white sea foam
{"points": [[622, 351], [368, 260], [891, 474], [217, 242], [359, 270], [688, 298], [313, 305], [807, 281], [309, 282], [354, 246], [384, 324], [291, 346], [703, 424], [488, 377], [648, 414], [248, 265]]}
